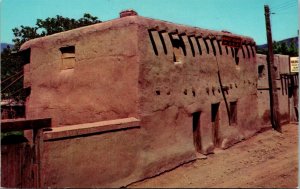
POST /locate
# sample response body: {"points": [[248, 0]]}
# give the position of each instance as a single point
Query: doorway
{"points": [[196, 131], [215, 123]]}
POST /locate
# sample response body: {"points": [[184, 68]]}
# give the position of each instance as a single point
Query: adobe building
{"points": [[287, 90], [133, 97]]}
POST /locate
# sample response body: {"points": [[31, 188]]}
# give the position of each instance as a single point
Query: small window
{"points": [[68, 57], [178, 48], [25, 56], [233, 113], [261, 70], [237, 59]]}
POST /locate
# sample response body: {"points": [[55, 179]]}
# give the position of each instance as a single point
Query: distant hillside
{"points": [[4, 45], [288, 46], [287, 41]]}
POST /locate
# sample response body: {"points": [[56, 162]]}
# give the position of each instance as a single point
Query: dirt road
{"points": [[269, 159]]}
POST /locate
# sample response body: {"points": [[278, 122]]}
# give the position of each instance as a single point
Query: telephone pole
{"points": [[274, 106]]}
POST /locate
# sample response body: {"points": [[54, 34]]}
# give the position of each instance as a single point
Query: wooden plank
{"points": [[24, 124], [91, 128]]}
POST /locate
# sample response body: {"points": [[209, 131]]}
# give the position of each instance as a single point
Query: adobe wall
{"points": [[172, 91], [100, 154], [282, 64], [80, 93]]}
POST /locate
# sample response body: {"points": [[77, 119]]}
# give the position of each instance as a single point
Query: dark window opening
{"points": [[194, 93], [220, 49], [25, 56], [213, 47], [153, 42], [206, 45], [237, 59], [185, 92], [68, 49], [182, 44], [233, 113], [163, 41], [199, 46], [196, 131], [27, 91], [214, 111], [157, 92], [174, 58], [215, 122], [261, 69], [192, 46], [178, 48]]}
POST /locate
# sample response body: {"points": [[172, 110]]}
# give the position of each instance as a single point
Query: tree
{"points": [[292, 50], [281, 48], [50, 26], [276, 47], [11, 63]]}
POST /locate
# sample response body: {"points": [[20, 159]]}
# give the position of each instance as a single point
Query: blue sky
{"points": [[245, 17]]}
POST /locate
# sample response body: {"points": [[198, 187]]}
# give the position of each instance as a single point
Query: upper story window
{"points": [[68, 57], [178, 48]]}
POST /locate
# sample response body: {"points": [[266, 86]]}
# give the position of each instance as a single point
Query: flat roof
{"points": [[148, 23]]}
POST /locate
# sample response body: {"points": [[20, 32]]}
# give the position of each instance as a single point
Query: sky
{"points": [[244, 17]]}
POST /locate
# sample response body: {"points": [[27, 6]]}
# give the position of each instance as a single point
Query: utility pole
{"points": [[274, 106]]}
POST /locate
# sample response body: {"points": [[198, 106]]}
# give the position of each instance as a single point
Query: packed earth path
{"points": [[268, 159]]}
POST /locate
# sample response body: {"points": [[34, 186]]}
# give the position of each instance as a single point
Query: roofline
{"points": [[149, 23]]}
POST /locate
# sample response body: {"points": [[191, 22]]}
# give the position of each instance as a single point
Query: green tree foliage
{"points": [[281, 48], [50, 26], [293, 50], [11, 63]]}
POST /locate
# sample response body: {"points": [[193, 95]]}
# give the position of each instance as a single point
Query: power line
{"points": [[12, 82], [284, 7], [283, 4], [11, 76], [17, 91]]}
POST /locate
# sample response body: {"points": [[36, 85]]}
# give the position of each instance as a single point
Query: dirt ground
{"points": [[268, 159]]}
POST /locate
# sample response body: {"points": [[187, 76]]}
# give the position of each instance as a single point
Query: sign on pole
{"points": [[294, 61]]}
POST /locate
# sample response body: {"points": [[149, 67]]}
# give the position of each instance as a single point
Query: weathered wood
{"points": [[274, 104], [16, 168], [24, 124]]}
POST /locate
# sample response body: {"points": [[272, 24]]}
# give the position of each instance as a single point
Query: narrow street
{"points": [[268, 159]]}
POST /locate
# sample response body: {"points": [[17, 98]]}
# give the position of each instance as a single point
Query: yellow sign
{"points": [[294, 61]]}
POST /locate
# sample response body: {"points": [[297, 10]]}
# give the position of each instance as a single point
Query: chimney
{"points": [[128, 12]]}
